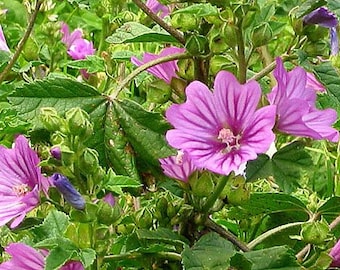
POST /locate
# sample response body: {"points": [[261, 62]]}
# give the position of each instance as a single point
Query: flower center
{"points": [[179, 158], [21, 190], [226, 136]]}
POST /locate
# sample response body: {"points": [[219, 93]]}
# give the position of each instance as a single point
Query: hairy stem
{"points": [[269, 233], [146, 66], [21, 43], [172, 31], [228, 235]]}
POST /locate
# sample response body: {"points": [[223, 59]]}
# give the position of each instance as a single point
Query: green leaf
{"points": [[122, 55], [136, 32], [60, 254], [308, 6], [330, 209], [87, 256], [210, 252], [285, 166], [92, 64], [115, 182], [53, 226], [162, 235], [330, 78], [200, 10], [280, 258], [334, 6], [269, 203]]}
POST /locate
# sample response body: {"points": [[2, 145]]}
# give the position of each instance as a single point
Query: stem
{"points": [[242, 63], [265, 235], [135, 255], [225, 234], [146, 66], [172, 31], [217, 191], [21, 43]]}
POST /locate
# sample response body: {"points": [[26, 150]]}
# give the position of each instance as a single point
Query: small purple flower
{"points": [[70, 194], [323, 17], [56, 152], [335, 254], [157, 7], [221, 130], [178, 167], [3, 43], [20, 182], [81, 48], [69, 38], [165, 71], [24, 257], [295, 103]]}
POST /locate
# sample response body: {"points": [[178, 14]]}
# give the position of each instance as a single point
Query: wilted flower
{"points": [[3, 43], [323, 17], [295, 103], [178, 167], [335, 254], [157, 7], [70, 194], [20, 182], [165, 71], [221, 130], [27, 258]]}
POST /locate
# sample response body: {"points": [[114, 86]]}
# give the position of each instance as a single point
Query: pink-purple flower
{"points": [[20, 182], [178, 167], [335, 254], [221, 130], [3, 43], [157, 7], [165, 71], [323, 17], [313, 83], [295, 103], [24, 257]]}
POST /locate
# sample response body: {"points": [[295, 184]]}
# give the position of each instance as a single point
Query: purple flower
{"points": [[25, 257], [335, 254], [313, 83], [157, 7], [221, 130], [295, 103], [81, 48], [178, 167], [323, 17], [70, 194], [3, 43], [164, 71], [69, 38], [55, 152], [20, 182]]}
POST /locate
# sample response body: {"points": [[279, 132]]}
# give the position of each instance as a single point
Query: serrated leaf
{"points": [[87, 256], [200, 10], [330, 209], [269, 203], [308, 6], [115, 183], [53, 226], [136, 32], [162, 235], [330, 78], [91, 64], [210, 252], [59, 256], [145, 130], [285, 166], [280, 258]]}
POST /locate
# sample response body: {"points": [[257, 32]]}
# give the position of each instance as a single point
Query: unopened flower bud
{"points": [[158, 92], [237, 191], [57, 137], [70, 194], [315, 232], [144, 218], [50, 118], [89, 159], [262, 34], [184, 22], [78, 122], [229, 32], [55, 152], [197, 45], [203, 185]]}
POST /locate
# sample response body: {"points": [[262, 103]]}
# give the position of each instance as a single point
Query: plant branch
{"points": [[265, 235], [21, 43], [135, 255], [172, 31], [225, 234], [146, 66], [242, 63], [217, 191]]}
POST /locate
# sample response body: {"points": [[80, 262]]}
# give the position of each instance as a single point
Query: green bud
{"points": [[89, 160], [315, 33], [79, 122], [203, 185], [57, 138], [237, 191], [143, 218], [197, 45], [315, 232], [229, 32], [108, 214], [162, 205], [31, 50], [261, 35], [158, 92], [219, 62], [128, 16], [217, 41], [170, 210], [184, 22], [50, 118], [67, 155], [186, 69], [297, 25], [102, 233]]}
